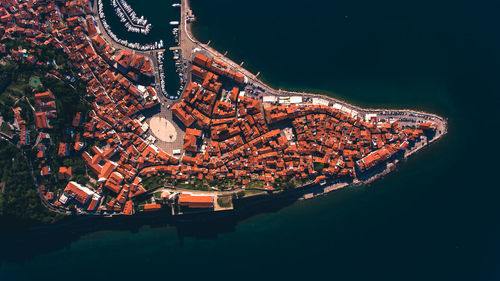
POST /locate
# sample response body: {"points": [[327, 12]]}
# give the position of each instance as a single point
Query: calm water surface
{"points": [[435, 218]]}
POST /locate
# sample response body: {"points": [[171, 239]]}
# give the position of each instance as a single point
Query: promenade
{"points": [[231, 131], [407, 118], [189, 44]]}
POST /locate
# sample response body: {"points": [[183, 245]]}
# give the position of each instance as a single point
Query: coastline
{"points": [[191, 44], [308, 189], [430, 216], [187, 31], [151, 54]]}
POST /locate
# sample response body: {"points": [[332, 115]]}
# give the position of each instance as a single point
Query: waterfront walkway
{"points": [[189, 44]]}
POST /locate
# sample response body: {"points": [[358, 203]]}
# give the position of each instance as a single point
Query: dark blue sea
{"points": [[437, 217]]}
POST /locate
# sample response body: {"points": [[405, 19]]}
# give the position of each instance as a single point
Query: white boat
{"points": [[174, 23]]}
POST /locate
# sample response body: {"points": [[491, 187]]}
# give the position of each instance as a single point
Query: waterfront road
{"points": [[189, 44]]}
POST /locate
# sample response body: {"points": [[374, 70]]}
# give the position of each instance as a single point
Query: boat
{"points": [[174, 23], [127, 15], [176, 5]]}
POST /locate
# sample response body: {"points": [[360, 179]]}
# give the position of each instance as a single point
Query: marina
{"points": [[432, 218], [159, 57], [180, 65], [112, 20], [175, 32], [179, 68], [132, 45], [127, 15]]}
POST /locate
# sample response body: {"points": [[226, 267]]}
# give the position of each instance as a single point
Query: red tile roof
{"points": [[196, 201]]}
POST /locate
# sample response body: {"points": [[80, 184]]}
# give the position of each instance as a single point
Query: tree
{"points": [[20, 199], [318, 167]]}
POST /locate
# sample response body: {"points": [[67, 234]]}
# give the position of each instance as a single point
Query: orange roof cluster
{"points": [[133, 64], [116, 98], [136, 159], [217, 67], [199, 103], [45, 102], [242, 143]]}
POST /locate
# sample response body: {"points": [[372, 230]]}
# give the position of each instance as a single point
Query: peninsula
{"points": [[129, 147]]}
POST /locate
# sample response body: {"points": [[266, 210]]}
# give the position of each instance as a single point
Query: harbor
{"points": [[128, 16], [133, 45], [434, 218], [171, 79], [159, 57]]}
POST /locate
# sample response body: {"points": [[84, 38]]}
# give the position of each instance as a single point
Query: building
{"points": [[81, 194], [196, 201], [64, 173]]}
